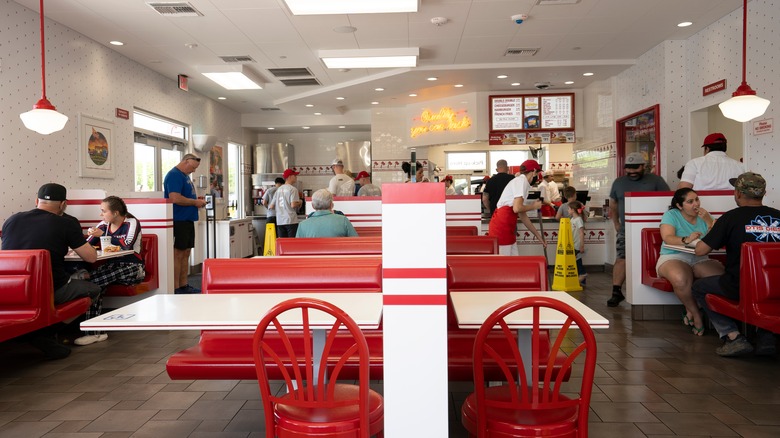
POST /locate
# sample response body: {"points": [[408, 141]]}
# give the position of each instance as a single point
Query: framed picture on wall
{"points": [[97, 151]]}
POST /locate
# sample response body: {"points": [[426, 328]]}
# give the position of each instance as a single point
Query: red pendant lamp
{"points": [[43, 118], [744, 105]]}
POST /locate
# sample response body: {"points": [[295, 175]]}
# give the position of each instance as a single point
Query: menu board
{"points": [[532, 112]]}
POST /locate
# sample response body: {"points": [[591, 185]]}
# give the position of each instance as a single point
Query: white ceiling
{"points": [[599, 36]]}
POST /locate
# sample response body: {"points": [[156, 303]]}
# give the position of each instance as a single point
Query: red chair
{"points": [[535, 407], [325, 409]]}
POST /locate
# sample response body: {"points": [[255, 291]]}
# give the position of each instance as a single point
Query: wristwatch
{"points": [[683, 240]]}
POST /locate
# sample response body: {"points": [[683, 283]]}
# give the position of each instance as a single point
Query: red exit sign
{"points": [[713, 87]]}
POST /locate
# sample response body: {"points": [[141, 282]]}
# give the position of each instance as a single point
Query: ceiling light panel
{"points": [[232, 77], [370, 58], [329, 7]]}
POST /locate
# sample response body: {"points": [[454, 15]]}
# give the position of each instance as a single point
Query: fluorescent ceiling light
{"points": [[233, 76], [327, 7], [370, 58]]}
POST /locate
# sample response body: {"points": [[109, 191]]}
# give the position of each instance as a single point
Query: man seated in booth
{"points": [[751, 221], [324, 222], [44, 227]]}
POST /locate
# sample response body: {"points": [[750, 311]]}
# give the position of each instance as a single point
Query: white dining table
{"points": [[236, 312], [71, 256], [473, 308]]}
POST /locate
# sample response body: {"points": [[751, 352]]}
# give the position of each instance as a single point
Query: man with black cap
{"points": [[635, 180], [511, 206], [45, 227], [340, 184], [713, 170], [751, 221]]}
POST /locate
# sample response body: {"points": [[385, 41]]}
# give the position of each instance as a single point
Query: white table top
{"points": [[230, 312], [71, 256], [473, 308]]}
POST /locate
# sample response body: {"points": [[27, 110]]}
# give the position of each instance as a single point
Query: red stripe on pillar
{"points": [[415, 300], [423, 193], [414, 273]]}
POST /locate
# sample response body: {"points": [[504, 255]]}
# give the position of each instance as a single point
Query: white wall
{"points": [[86, 77]]}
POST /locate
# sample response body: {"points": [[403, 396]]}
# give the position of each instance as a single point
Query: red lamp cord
{"points": [[744, 40], [43, 59]]}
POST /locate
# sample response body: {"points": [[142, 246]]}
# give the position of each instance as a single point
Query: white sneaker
{"points": [[90, 339]]}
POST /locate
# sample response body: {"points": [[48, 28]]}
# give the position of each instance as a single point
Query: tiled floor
{"points": [[653, 379]]}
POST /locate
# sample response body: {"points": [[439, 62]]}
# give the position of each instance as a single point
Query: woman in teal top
{"points": [[684, 222]]}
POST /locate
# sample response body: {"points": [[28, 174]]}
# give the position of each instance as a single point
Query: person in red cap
{"points": [[512, 206], [286, 202], [450, 190], [713, 170], [366, 188]]}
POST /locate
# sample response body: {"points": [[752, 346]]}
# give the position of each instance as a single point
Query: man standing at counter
{"points": [[511, 207], [713, 170], [635, 180], [179, 189], [495, 186], [340, 184], [366, 187], [751, 221], [268, 201], [286, 202]]}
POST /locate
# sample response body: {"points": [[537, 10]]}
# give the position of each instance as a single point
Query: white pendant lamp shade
{"points": [[44, 120], [744, 108]]}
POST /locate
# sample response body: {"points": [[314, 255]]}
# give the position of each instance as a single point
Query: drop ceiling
{"points": [[604, 37]]}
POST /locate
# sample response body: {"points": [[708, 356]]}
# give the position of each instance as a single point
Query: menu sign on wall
{"points": [[532, 112]]}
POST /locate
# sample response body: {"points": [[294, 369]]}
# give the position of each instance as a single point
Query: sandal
{"points": [[698, 331], [687, 320]]}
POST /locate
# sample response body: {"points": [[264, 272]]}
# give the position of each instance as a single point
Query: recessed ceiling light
{"points": [[684, 24], [375, 103], [342, 127], [433, 79], [569, 82], [271, 129], [308, 105], [502, 76], [412, 95], [306, 127], [116, 43], [587, 74], [222, 98], [191, 45], [379, 89], [232, 76], [339, 98], [515, 84], [458, 85], [317, 114], [370, 58]]}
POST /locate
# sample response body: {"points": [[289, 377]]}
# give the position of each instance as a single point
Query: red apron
{"points": [[503, 225]]}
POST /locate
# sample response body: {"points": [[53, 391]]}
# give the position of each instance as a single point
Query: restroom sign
{"points": [[765, 126]]}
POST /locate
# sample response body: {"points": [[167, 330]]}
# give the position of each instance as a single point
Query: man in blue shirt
{"points": [[323, 222], [180, 190]]}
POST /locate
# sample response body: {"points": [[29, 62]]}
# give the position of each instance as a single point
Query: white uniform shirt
{"points": [[553, 193], [516, 188], [286, 194], [341, 185], [712, 171]]}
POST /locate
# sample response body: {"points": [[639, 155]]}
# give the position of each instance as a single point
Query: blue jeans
{"points": [[711, 285]]}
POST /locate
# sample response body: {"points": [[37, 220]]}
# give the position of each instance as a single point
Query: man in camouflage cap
{"points": [[751, 221]]}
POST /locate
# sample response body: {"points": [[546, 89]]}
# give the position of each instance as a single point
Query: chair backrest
{"points": [[538, 393], [297, 362], [761, 266]]}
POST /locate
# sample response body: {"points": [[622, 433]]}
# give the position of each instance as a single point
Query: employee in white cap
{"points": [[340, 184], [635, 180]]}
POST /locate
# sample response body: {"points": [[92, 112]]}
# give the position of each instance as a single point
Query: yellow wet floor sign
{"points": [[269, 249], [565, 276]]}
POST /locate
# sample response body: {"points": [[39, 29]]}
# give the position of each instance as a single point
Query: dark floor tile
{"points": [[120, 421], [695, 424]]}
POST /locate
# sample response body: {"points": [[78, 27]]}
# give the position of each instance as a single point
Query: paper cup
{"points": [[105, 242]]}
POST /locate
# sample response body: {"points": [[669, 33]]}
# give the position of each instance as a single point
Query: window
{"points": [[158, 147], [466, 161], [236, 182], [513, 158]]}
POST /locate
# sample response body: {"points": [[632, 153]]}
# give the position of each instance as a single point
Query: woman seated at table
{"points": [[125, 232], [684, 222]]}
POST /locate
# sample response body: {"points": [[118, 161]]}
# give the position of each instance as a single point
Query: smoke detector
{"points": [[439, 20]]}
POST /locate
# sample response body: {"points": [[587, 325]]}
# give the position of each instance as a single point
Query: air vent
{"points": [[290, 72], [175, 9], [299, 82], [238, 58], [557, 2], [520, 52], [270, 109]]}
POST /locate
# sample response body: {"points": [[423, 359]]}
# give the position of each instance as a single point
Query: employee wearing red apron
{"points": [[511, 207]]}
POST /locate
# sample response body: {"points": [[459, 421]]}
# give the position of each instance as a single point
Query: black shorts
{"points": [[183, 235]]}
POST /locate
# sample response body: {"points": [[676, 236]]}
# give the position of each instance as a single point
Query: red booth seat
{"points": [[372, 245], [151, 280], [759, 288], [228, 354], [27, 294], [651, 249]]}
